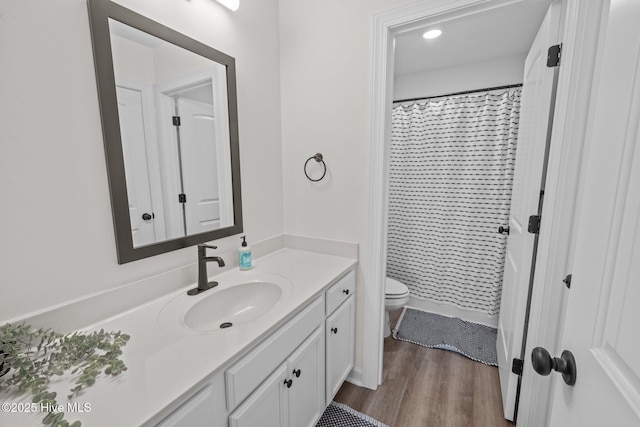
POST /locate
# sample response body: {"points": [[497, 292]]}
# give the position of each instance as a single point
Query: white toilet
{"points": [[396, 296]]}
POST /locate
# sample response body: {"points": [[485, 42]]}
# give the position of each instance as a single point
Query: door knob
{"points": [[334, 330], [288, 383], [543, 364], [503, 230], [146, 216], [297, 372]]}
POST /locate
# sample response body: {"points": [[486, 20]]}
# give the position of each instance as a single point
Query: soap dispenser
{"points": [[244, 255]]}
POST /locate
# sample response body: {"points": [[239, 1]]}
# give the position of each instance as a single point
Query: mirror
{"points": [[169, 119]]}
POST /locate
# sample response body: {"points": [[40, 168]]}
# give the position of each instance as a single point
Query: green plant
{"points": [[30, 357]]}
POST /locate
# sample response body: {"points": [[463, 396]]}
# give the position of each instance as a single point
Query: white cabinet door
{"points": [[306, 370], [293, 395], [340, 332], [267, 406]]}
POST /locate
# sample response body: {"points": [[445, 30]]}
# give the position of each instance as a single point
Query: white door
{"points": [[306, 370], [537, 98], [602, 316], [134, 148], [199, 165]]}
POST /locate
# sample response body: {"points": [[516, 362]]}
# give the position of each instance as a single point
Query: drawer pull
{"points": [[334, 330], [297, 372], [288, 383], [345, 291]]}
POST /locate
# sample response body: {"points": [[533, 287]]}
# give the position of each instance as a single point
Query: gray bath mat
{"points": [[475, 341], [340, 415]]}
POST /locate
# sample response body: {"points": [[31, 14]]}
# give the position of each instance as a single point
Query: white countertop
{"points": [[166, 364]]}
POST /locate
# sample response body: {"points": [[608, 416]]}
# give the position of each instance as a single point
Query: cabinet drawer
{"points": [[340, 291], [198, 411], [247, 374]]}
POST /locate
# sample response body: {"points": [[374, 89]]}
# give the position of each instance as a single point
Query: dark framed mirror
{"points": [[169, 115]]}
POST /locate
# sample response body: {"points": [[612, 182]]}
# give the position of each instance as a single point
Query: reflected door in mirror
{"points": [[173, 120], [134, 148]]}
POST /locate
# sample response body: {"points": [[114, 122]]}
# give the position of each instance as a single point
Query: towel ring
{"points": [[317, 158]]}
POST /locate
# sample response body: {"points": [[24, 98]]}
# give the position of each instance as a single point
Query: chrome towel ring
{"points": [[317, 158]]}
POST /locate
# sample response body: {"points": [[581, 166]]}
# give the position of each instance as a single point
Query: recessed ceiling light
{"points": [[432, 34]]}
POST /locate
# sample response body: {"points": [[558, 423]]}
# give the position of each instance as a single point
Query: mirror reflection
{"points": [[169, 114], [174, 126]]}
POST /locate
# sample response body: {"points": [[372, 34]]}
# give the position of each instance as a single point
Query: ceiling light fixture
{"points": [[432, 34], [231, 4]]}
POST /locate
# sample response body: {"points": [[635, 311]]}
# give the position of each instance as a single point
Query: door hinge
{"points": [[534, 224], [553, 55], [567, 281], [182, 198], [176, 120], [516, 366]]}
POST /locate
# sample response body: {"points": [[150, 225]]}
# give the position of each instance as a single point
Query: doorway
{"points": [[406, 24]]}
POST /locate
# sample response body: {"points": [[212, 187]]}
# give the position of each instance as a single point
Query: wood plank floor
{"points": [[429, 387]]}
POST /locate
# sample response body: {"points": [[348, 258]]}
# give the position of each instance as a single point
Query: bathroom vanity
{"points": [[290, 377], [280, 366]]}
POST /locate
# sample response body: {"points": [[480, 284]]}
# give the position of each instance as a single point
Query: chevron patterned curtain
{"points": [[451, 173]]}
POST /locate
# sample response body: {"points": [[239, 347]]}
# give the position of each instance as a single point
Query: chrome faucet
{"points": [[203, 283]]}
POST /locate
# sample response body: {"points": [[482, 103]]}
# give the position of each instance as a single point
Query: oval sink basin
{"points": [[233, 306], [238, 300]]}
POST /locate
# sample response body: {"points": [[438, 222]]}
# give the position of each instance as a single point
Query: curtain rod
{"points": [[461, 93]]}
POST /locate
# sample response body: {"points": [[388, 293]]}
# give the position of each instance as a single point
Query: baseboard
{"points": [[355, 377]]}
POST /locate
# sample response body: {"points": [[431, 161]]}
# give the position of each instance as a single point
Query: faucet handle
{"points": [[207, 246]]}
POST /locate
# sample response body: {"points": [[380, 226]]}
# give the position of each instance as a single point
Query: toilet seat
{"points": [[392, 297], [395, 289]]}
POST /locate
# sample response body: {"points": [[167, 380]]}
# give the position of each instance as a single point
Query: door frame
{"points": [[580, 42]]}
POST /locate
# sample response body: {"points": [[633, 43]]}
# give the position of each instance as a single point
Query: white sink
{"points": [[233, 306], [238, 300]]}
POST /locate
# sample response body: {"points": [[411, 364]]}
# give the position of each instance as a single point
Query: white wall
{"points": [[132, 61], [171, 61], [325, 49], [56, 234], [478, 75]]}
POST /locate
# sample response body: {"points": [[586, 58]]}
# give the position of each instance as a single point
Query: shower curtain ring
{"points": [[318, 158]]}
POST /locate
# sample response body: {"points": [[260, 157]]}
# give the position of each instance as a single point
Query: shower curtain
{"points": [[450, 177]]}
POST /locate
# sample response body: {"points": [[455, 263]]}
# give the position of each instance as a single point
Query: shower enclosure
{"points": [[451, 171]]}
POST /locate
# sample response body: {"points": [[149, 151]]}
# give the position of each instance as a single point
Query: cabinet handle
{"points": [[334, 330], [297, 372], [288, 383], [345, 291]]}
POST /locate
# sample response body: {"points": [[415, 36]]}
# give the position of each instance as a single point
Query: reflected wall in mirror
{"points": [[169, 118]]}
